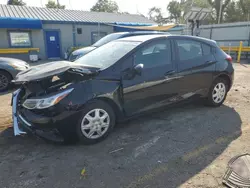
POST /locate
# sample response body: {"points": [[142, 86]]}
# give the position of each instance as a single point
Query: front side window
{"points": [[189, 49], [19, 39], [154, 54]]}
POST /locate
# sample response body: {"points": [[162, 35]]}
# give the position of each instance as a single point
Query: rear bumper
{"points": [[232, 80]]}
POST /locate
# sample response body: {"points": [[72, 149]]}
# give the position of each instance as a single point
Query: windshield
{"points": [[107, 54], [107, 39]]}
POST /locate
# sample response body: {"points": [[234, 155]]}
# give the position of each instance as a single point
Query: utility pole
{"points": [[58, 5], [137, 11], [221, 2]]}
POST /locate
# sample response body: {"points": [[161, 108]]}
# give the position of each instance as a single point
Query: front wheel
{"points": [[217, 93], [97, 121]]}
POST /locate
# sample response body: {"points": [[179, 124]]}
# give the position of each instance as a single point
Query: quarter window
{"points": [[206, 49], [154, 54], [19, 39]]}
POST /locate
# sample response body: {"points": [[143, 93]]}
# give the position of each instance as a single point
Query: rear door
{"points": [[196, 65], [156, 84]]}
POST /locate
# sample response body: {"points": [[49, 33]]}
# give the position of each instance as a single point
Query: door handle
{"points": [[211, 61], [168, 73]]}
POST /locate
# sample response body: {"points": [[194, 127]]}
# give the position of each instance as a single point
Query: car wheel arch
{"points": [[117, 110], [226, 78], [3, 70]]}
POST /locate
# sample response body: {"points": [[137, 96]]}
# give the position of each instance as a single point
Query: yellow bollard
{"points": [[239, 52]]}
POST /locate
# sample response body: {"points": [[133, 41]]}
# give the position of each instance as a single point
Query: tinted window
{"points": [[154, 54], [79, 31], [206, 49], [189, 49], [108, 54]]}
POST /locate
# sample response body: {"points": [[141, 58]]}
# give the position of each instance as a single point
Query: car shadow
{"points": [[161, 149]]}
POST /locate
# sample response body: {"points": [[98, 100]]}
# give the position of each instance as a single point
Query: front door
{"points": [[156, 84], [53, 44]]}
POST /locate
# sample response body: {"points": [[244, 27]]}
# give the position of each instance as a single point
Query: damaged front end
{"points": [[40, 105]]}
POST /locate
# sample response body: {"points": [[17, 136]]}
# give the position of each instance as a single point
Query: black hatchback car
{"points": [[121, 79]]}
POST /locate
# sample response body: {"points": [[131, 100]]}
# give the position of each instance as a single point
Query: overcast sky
{"points": [[130, 6]]}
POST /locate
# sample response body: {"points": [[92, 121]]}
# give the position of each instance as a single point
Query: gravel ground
{"points": [[187, 146]]}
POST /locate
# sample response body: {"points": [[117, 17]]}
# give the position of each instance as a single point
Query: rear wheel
{"points": [[97, 121], [217, 93], [5, 80]]}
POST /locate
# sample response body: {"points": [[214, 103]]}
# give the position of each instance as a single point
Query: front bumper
{"points": [[24, 124], [17, 130]]}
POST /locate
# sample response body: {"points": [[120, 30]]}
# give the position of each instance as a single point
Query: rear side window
{"points": [[193, 53], [189, 49]]}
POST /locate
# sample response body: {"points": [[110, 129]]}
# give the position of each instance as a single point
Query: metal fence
{"points": [[227, 35], [224, 34]]}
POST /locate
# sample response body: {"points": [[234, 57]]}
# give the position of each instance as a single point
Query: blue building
{"points": [[52, 32]]}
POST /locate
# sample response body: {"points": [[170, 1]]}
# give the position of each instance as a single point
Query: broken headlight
{"points": [[45, 102]]}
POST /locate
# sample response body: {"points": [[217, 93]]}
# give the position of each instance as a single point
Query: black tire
{"points": [[98, 104], [209, 100], [7, 77]]}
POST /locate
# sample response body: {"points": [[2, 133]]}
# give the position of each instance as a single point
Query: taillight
{"points": [[229, 58]]}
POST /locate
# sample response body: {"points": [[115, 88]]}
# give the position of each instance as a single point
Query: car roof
{"points": [[143, 38], [124, 34], [209, 41], [148, 32]]}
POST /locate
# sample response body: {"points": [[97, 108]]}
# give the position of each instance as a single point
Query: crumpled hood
{"points": [[83, 51], [52, 69]]}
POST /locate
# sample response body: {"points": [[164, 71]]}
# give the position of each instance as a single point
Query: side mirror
{"points": [[138, 69]]}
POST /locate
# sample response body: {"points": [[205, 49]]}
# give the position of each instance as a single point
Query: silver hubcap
{"points": [[3, 81], [95, 123], [219, 92]]}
